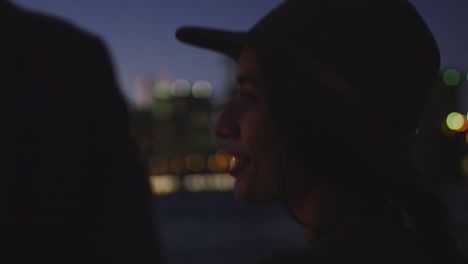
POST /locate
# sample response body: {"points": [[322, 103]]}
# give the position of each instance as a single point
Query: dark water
{"points": [[212, 227]]}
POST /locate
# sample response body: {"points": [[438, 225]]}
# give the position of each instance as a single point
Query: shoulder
{"points": [[344, 251]]}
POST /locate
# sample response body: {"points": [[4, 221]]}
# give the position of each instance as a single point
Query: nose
{"points": [[226, 126]]}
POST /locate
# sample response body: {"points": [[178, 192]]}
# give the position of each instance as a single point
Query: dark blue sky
{"points": [[140, 34]]}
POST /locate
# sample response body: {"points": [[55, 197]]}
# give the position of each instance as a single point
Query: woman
{"points": [[329, 96]]}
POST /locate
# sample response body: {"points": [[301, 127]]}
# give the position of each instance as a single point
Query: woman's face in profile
{"points": [[246, 122]]}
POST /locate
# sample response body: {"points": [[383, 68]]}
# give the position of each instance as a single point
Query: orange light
{"points": [[217, 162]]}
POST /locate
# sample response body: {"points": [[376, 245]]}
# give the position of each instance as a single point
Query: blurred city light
{"points": [[456, 121], [162, 89], [168, 183], [180, 88], [217, 162], [451, 77], [201, 89], [164, 184], [208, 182], [143, 92]]}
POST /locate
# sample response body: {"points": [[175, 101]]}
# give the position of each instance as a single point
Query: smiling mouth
{"points": [[237, 164]]}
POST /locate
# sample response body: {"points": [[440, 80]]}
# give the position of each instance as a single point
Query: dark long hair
{"points": [[301, 104]]}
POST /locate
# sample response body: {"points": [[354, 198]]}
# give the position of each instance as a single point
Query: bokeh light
{"points": [[162, 89], [201, 89], [208, 182], [143, 86], [456, 121], [180, 88], [164, 184], [217, 162], [193, 183], [451, 77]]}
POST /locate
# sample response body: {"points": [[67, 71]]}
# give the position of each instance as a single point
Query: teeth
{"points": [[237, 163], [232, 163]]}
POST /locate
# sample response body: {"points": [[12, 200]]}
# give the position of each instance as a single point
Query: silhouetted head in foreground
{"points": [[72, 189], [329, 96]]}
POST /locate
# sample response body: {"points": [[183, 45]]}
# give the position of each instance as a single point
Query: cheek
{"points": [[264, 148], [260, 136]]}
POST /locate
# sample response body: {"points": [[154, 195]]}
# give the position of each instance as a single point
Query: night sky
{"points": [[140, 34]]}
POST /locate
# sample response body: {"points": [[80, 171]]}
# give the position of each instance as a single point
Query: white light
{"points": [[209, 182], [180, 88], [164, 184], [201, 89]]}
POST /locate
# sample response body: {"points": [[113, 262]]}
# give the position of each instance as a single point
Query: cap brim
{"points": [[226, 42]]}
